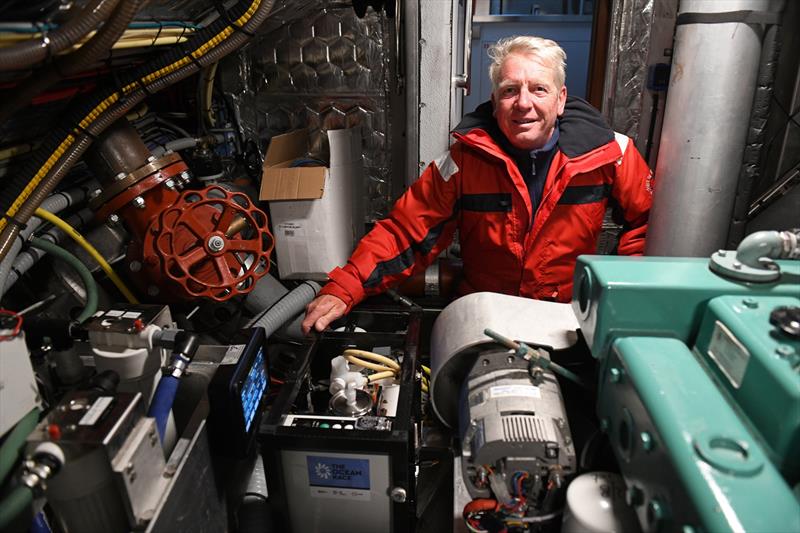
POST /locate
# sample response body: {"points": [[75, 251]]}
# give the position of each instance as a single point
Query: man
{"points": [[526, 184]]}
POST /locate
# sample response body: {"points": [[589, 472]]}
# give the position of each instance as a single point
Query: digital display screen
{"points": [[253, 389], [338, 472]]}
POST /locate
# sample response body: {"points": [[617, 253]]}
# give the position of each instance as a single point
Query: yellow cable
{"points": [[380, 375], [113, 98], [391, 363], [424, 387], [366, 364], [86, 245], [426, 369]]}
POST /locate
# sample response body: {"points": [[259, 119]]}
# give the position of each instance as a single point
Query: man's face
{"points": [[527, 101]]}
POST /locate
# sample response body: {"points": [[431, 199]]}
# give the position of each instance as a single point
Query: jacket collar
{"points": [[581, 128]]}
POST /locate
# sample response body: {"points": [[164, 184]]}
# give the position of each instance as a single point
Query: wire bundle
{"points": [[66, 144], [383, 366]]}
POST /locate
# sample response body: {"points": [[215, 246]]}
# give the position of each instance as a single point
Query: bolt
{"points": [[113, 218], [615, 375], [647, 441], [169, 184], [721, 253], [750, 303], [186, 177], [398, 494], [485, 362], [784, 350], [120, 176], [135, 266], [95, 193], [216, 243], [152, 290], [151, 158], [138, 203], [737, 265]]}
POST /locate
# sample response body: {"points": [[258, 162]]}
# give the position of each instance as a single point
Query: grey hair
{"points": [[549, 52]]}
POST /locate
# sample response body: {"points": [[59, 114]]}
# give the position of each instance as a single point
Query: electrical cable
{"points": [[66, 145], [91, 250], [207, 96], [381, 375], [89, 283], [357, 355], [94, 49], [15, 329], [54, 40]]}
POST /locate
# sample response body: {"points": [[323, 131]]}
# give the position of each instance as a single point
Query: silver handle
{"points": [[463, 80]]}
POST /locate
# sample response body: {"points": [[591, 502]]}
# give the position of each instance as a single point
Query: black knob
{"points": [[787, 318]]}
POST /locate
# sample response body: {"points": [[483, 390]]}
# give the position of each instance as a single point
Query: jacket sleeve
{"points": [[420, 225], [633, 192]]}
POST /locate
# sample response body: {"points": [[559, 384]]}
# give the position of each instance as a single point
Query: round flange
{"points": [[725, 263], [362, 405]]}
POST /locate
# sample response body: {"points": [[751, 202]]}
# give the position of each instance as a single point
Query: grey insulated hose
{"points": [[55, 204], [288, 307]]}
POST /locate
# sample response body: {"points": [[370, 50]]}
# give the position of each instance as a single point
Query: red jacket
{"points": [[477, 189]]}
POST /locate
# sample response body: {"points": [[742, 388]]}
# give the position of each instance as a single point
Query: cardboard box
{"points": [[317, 214]]}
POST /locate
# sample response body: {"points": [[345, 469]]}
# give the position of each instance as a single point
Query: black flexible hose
{"points": [[94, 49], [32, 51]]}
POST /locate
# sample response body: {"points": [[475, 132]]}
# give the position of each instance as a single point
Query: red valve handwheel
{"points": [[214, 243]]}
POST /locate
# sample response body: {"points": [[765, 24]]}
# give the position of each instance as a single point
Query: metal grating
{"points": [[526, 428]]}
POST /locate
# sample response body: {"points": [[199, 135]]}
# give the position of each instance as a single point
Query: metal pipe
{"points": [[709, 102]]}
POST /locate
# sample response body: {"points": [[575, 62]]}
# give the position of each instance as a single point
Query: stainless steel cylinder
{"points": [[709, 102]]}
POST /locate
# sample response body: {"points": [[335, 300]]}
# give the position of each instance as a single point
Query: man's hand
{"points": [[322, 311]]}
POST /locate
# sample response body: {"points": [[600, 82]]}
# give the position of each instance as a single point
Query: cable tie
{"points": [[224, 15], [158, 34], [21, 225], [143, 87], [190, 55], [78, 130]]}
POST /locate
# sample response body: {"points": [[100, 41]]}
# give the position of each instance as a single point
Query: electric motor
{"points": [[515, 438]]}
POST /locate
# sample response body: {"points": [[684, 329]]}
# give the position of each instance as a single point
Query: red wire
{"points": [[17, 327]]}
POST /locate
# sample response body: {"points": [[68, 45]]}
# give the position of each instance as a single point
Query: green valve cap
{"points": [[324, 425]]}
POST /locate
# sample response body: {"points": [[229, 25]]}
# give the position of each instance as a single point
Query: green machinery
{"points": [[700, 382]]}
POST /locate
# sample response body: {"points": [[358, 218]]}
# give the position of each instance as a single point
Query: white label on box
{"points": [[95, 411], [292, 230], [342, 494], [132, 314], [730, 355], [502, 391], [114, 313]]}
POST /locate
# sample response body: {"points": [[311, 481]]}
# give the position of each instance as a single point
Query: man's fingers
{"points": [[321, 312]]}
